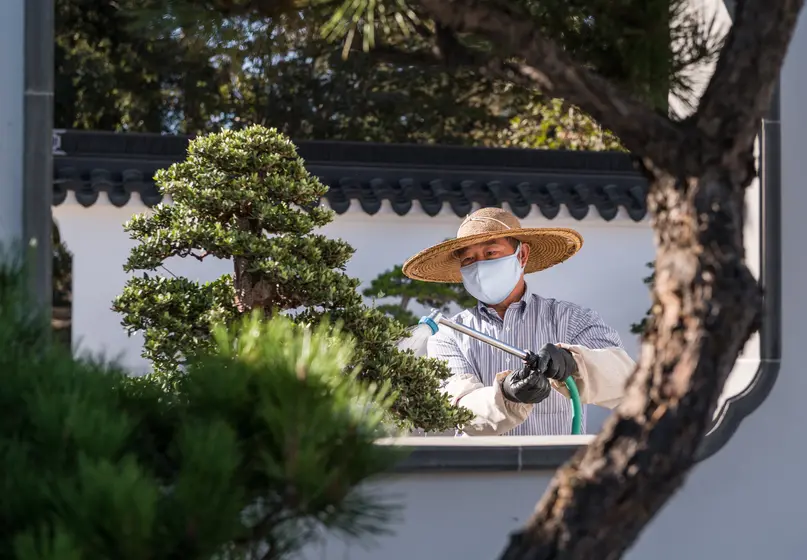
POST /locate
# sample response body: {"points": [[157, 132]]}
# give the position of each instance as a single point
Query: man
{"points": [[490, 256]]}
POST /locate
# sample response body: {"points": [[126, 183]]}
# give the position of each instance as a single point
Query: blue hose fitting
{"points": [[430, 322]]}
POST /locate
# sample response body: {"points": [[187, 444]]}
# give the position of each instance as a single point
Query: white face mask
{"points": [[492, 281]]}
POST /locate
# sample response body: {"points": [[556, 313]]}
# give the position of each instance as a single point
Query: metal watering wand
{"points": [[435, 319]]}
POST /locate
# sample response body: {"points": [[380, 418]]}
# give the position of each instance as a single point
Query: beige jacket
{"points": [[600, 378]]}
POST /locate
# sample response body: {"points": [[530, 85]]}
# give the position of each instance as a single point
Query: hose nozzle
{"points": [[432, 320]]}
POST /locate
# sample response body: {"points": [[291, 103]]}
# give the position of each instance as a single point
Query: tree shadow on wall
{"points": [[62, 298]]}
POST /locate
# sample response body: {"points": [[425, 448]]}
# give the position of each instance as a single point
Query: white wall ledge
{"points": [[491, 453]]}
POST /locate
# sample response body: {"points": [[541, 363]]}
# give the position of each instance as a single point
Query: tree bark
{"points": [[252, 292], [706, 304]]}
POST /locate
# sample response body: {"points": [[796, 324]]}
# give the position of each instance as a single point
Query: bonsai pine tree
{"points": [[393, 283], [262, 446], [245, 196]]}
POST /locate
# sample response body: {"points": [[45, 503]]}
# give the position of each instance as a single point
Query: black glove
{"points": [[525, 386], [552, 362]]}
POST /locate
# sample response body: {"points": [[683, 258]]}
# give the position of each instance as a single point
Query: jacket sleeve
{"points": [[493, 414], [603, 366]]}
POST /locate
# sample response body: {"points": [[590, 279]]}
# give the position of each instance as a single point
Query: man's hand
{"points": [[553, 362], [525, 386], [530, 383]]}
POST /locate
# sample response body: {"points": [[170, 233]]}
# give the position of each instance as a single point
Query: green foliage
{"points": [[645, 46], [245, 63], [639, 328], [62, 268], [109, 77], [246, 195], [555, 126], [262, 445], [393, 283], [62, 280], [629, 42]]}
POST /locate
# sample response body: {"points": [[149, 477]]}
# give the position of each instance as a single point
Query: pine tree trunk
{"points": [[252, 292], [707, 304]]}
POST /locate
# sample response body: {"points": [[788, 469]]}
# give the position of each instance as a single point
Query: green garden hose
{"points": [[577, 407]]}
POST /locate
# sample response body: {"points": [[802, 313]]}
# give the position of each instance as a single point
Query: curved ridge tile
{"points": [[151, 196], [603, 194], [518, 204], [337, 198], [431, 200], [368, 198]]}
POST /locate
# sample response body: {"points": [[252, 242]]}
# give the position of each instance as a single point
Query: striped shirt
{"points": [[528, 324]]}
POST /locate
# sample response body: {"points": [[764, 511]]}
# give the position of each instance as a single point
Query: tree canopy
{"points": [[645, 46], [155, 66]]}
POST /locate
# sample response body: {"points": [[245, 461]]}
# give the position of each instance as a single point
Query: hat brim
{"points": [[548, 247]]}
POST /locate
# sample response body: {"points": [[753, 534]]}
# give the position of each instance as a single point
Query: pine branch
{"points": [[545, 66]]}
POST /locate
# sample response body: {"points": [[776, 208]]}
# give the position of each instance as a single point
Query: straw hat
{"points": [[548, 246]]}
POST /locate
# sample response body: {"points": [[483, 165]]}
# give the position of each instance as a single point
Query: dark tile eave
{"points": [[582, 190]]}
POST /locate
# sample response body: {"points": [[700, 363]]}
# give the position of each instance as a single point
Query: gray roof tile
{"points": [[120, 166]]}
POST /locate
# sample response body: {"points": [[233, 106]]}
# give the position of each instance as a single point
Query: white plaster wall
{"points": [[606, 275]]}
